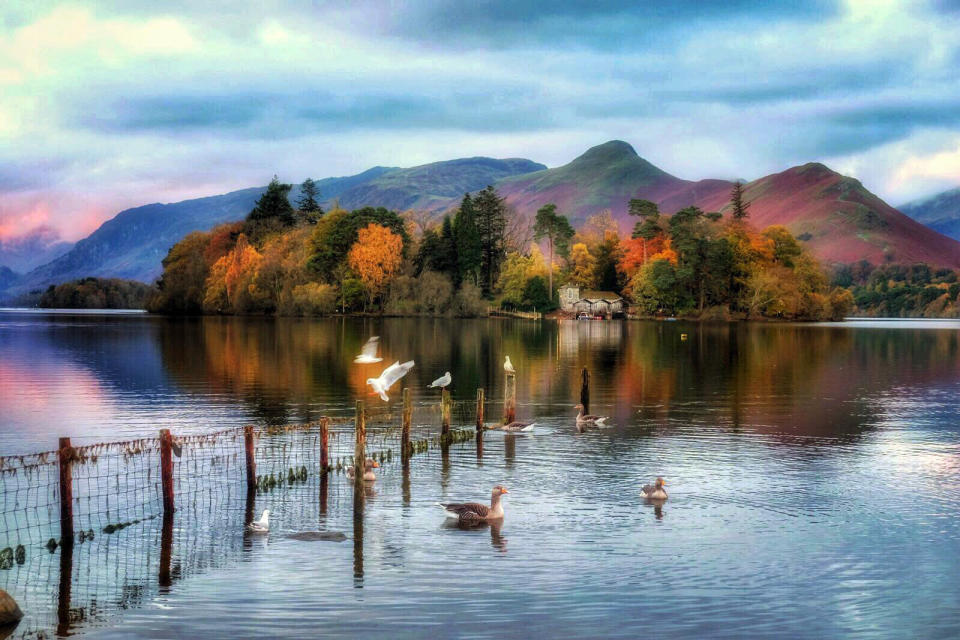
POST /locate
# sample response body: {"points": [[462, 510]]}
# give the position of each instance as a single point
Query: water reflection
{"points": [[497, 540]]}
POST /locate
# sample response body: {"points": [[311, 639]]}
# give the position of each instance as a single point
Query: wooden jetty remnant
{"points": [[585, 390], [166, 471], [248, 448], [510, 399], [324, 446], [405, 448], [446, 404], [65, 455], [360, 447]]}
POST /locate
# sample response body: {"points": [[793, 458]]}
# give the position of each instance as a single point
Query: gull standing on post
{"points": [[387, 379], [508, 366], [368, 353], [443, 381]]}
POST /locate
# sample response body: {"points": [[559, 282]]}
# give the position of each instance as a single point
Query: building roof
{"points": [[599, 295]]}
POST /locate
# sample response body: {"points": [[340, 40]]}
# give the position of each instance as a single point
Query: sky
{"points": [[107, 105]]}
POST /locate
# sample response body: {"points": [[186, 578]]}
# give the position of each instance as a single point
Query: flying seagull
{"points": [[387, 379], [368, 354], [443, 381]]}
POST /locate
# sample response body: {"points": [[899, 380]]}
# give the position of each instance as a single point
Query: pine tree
{"points": [[469, 249], [557, 230], [740, 206], [273, 204], [491, 224], [308, 199], [648, 227]]}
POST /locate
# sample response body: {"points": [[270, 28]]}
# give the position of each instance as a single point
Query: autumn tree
{"points": [[337, 231], [556, 229], [582, 266], [648, 226], [376, 257], [185, 270]]}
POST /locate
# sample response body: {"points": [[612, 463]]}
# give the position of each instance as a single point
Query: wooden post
{"points": [[479, 410], [166, 544], [360, 448], [405, 426], [324, 446], [248, 447], [166, 470], [510, 399], [66, 580], [445, 405], [65, 457], [585, 390]]}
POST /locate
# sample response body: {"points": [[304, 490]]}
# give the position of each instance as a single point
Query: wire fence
{"points": [[126, 547]]}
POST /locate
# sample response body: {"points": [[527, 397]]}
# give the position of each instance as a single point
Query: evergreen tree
{"points": [[446, 262], [491, 224], [308, 199], [469, 249], [740, 206], [558, 232], [648, 227], [272, 211]]}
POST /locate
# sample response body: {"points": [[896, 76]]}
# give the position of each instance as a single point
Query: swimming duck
{"points": [[368, 474], [518, 427], [262, 525], [654, 491], [585, 422], [474, 511]]}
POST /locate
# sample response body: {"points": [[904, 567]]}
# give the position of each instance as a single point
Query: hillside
{"points": [[940, 212], [7, 277], [32, 249], [132, 244]]}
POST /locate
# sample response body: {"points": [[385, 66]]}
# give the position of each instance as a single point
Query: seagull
{"points": [[508, 366], [262, 525], [387, 379], [368, 354], [443, 381]]}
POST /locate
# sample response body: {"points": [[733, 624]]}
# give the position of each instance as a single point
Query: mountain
{"points": [[839, 219], [32, 249], [7, 277], [940, 212], [133, 243]]}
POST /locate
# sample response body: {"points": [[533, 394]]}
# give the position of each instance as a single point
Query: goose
{"points": [[474, 511], [508, 366], [368, 467], [518, 427], [585, 422], [368, 353], [654, 491], [387, 379], [262, 525], [443, 381]]}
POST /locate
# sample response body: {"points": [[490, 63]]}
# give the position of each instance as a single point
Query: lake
{"points": [[813, 471]]}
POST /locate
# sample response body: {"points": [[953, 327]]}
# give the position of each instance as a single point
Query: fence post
{"points": [[65, 457], [251, 458], [166, 470], [479, 410], [359, 451], [405, 426], [585, 389], [510, 399], [445, 404], [324, 445]]}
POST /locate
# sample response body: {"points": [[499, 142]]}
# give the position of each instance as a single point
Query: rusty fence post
{"points": [[360, 447], [249, 450], [324, 445], [166, 471], [65, 456]]}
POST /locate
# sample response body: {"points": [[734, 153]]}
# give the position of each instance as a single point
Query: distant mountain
{"points": [[940, 212], [835, 215], [32, 249], [133, 243], [7, 277]]}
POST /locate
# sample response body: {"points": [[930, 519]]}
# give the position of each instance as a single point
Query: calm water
{"points": [[813, 470]]}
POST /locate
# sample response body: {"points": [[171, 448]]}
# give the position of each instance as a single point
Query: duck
{"points": [[518, 427], [469, 512], [654, 491], [262, 525], [508, 366], [368, 467], [587, 421]]}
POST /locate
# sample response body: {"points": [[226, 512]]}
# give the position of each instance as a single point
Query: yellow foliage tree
{"points": [[376, 258], [582, 266]]}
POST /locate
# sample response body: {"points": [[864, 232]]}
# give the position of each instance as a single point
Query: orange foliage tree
{"points": [[376, 258]]}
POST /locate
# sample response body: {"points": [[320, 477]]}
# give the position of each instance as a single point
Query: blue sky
{"points": [[107, 105]]}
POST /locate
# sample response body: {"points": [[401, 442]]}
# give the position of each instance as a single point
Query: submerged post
{"points": [[445, 404], [65, 457], [585, 389], [479, 411], [248, 448], [324, 446], [166, 471], [360, 448], [405, 426], [510, 399]]}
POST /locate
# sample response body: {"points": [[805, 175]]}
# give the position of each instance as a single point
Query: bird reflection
{"points": [[497, 540], [657, 504]]}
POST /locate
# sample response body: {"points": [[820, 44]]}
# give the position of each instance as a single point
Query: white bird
{"points": [[368, 353], [387, 379], [443, 381], [508, 366], [262, 525]]}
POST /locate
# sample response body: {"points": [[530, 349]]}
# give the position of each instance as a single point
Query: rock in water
{"points": [[9, 611], [314, 536]]}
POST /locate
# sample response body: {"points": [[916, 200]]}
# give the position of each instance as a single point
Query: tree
{"points": [[608, 255], [376, 257], [337, 231], [185, 271], [308, 203], [740, 206], [536, 296], [648, 227], [272, 211], [582, 266], [491, 224], [469, 248], [557, 231], [447, 262]]}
